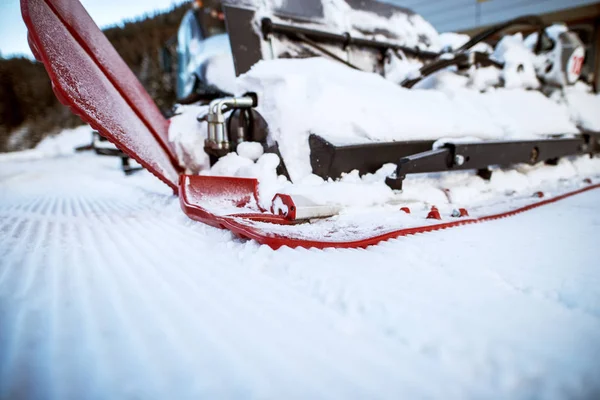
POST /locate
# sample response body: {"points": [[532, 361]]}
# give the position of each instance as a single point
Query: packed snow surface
{"points": [[108, 291]]}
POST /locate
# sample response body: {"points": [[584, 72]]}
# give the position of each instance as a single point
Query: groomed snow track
{"points": [[108, 291]]}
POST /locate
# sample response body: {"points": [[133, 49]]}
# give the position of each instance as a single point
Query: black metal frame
{"points": [[269, 27], [412, 157], [480, 156], [330, 161], [125, 159]]}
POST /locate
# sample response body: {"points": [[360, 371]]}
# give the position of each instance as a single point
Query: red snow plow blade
{"points": [[275, 231], [89, 76]]}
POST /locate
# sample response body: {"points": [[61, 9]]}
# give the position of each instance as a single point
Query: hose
{"points": [[462, 58]]}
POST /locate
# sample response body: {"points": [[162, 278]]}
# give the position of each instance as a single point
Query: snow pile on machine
{"points": [[337, 106], [348, 107]]}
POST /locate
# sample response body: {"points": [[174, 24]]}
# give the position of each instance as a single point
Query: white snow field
{"points": [[108, 291]]}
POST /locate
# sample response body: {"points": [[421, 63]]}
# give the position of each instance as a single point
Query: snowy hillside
{"points": [[107, 290]]}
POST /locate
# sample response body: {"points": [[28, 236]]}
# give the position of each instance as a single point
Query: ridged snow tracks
{"points": [[42, 253], [234, 313], [153, 299], [109, 292], [496, 316]]}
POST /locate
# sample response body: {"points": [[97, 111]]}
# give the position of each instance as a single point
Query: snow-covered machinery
{"points": [[338, 103], [290, 31]]}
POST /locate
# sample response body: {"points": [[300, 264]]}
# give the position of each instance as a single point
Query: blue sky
{"points": [[13, 34]]}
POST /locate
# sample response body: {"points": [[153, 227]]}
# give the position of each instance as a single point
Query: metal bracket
{"points": [[111, 152], [480, 156]]}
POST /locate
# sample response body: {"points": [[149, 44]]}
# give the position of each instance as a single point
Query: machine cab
{"points": [[204, 61]]}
